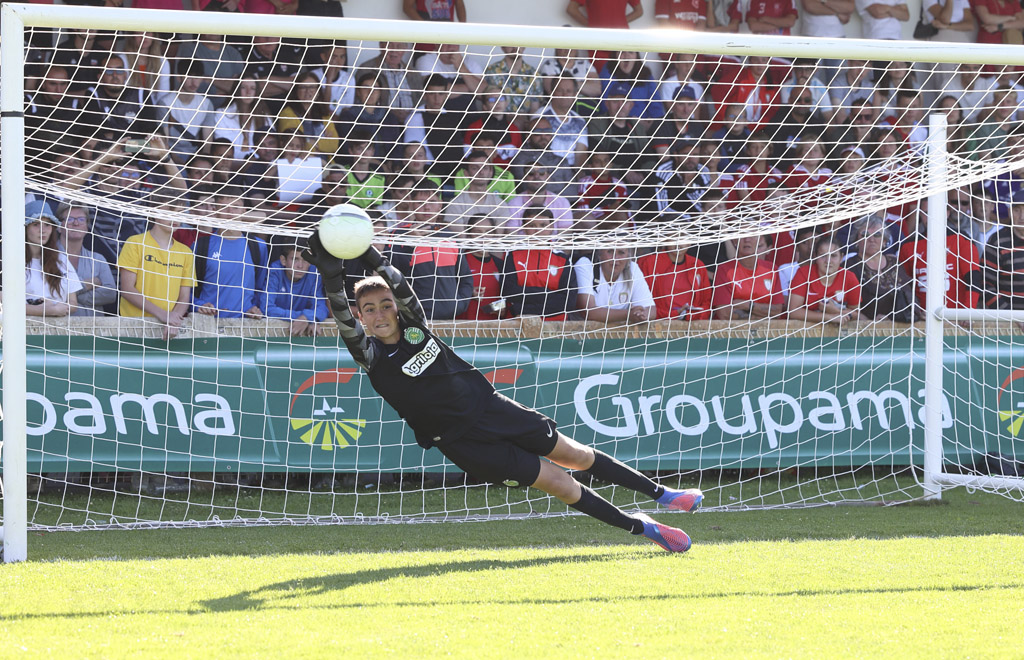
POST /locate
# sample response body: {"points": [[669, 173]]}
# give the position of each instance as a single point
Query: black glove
{"points": [[331, 268], [372, 258]]}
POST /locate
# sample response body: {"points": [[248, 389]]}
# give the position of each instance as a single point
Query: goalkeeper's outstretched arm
{"points": [[332, 270]]}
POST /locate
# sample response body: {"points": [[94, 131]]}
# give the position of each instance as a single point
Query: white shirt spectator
{"points": [[559, 206], [570, 131], [193, 115], [341, 92], [959, 7], [467, 204], [430, 64], [879, 28], [669, 87], [978, 97], [580, 69], [821, 26], [298, 180], [36, 286], [630, 290]]}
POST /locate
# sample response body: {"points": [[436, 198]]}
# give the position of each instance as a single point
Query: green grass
{"points": [[913, 581]]}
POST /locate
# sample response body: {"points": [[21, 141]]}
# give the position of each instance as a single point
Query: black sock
{"points": [[608, 469], [596, 506]]}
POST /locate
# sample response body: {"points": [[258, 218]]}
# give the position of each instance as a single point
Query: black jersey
{"points": [[438, 393]]}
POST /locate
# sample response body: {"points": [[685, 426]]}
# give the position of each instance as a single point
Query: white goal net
{"points": [[711, 266]]}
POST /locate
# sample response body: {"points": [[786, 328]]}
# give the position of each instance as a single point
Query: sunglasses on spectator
{"points": [[863, 117], [111, 71], [76, 220], [494, 99]]}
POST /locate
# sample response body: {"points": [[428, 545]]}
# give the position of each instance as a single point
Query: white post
{"points": [[12, 153], [935, 302]]}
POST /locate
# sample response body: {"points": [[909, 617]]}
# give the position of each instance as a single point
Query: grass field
{"points": [[937, 580]]}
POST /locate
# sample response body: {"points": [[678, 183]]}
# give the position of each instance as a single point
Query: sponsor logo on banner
{"points": [[326, 422], [775, 414], [419, 362], [1012, 414]]}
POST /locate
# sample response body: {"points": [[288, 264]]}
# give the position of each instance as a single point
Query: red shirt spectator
{"points": [[756, 85], [679, 283], [688, 14], [538, 281], [961, 259], [771, 16], [991, 15], [823, 290], [749, 286], [605, 13], [486, 272]]}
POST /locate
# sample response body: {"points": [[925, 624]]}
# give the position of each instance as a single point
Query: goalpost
{"points": [[758, 400]]}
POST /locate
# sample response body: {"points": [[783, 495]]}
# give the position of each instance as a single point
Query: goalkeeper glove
{"points": [[332, 269]]}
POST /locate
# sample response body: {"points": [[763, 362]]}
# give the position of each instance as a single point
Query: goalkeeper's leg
{"points": [[571, 454], [555, 481]]}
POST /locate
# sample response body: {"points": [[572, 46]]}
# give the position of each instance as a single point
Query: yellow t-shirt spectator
{"points": [[160, 272]]}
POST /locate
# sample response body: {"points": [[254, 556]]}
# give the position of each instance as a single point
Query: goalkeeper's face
{"points": [[379, 315]]}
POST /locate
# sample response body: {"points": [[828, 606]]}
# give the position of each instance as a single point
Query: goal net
{"points": [[710, 265]]}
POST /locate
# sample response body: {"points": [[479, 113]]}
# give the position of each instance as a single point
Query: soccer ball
{"points": [[346, 231]]}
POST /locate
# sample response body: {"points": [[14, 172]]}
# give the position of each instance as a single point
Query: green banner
{"points": [[274, 405]]}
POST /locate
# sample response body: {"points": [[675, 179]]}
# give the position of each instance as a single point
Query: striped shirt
{"points": [[1003, 268]]}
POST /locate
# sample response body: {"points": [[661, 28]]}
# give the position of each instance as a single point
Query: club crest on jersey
{"points": [[414, 335], [419, 362]]}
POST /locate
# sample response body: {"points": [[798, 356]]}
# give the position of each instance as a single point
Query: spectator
{"points": [[495, 119], [882, 19], [435, 10], [398, 77], [633, 79], [599, 191], [1003, 263], [516, 80], [570, 129], [806, 87], [479, 165], [887, 292], [539, 281], [294, 292], [772, 16], [748, 286], [50, 115], [755, 85], [537, 151], [440, 275], [757, 174], [853, 90], [85, 55], [824, 291], [604, 13], [999, 21], [826, 18], [308, 112], [480, 196], [296, 175], [682, 122], [989, 139], [51, 283], [230, 267], [953, 21], [622, 136], [333, 75], [803, 244], [732, 133], [99, 290], [147, 63], [435, 125], [676, 185], [486, 269], [371, 114], [679, 283], [222, 65], [973, 89], [684, 14], [612, 289], [963, 277], [187, 115], [244, 119], [113, 111], [809, 170], [464, 74], [533, 190], [276, 66], [362, 181], [575, 64], [157, 275], [896, 77]]}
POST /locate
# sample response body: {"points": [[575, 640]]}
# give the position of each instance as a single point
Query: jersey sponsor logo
{"points": [[414, 335], [419, 362]]}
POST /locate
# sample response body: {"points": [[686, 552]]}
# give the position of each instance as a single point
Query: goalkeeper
{"points": [[451, 406]]}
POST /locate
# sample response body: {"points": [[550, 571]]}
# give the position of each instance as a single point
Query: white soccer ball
{"points": [[346, 231]]}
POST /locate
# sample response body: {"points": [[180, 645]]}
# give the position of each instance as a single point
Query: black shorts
{"points": [[504, 446]]}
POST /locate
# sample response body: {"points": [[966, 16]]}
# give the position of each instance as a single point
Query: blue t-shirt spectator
{"points": [[289, 297], [229, 278]]}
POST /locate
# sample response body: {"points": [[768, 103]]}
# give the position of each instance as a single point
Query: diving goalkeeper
{"points": [[451, 406]]}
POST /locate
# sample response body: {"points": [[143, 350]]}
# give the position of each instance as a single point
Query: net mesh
{"points": [[709, 267]]}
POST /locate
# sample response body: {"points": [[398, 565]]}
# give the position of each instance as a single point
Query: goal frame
{"points": [[17, 17]]}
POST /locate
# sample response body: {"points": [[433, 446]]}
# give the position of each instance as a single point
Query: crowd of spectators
{"points": [[429, 139]]}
